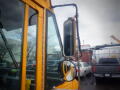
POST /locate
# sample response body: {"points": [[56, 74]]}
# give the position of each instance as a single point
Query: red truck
{"points": [[86, 56]]}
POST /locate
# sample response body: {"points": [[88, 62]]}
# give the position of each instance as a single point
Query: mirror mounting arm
{"points": [[76, 16]]}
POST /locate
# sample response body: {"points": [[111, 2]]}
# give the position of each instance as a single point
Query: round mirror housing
{"points": [[68, 70]]}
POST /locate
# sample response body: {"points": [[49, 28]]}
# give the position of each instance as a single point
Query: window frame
{"points": [[57, 30], [46, 43]]}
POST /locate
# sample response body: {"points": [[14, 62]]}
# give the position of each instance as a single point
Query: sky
{"points": [[98, 19]]}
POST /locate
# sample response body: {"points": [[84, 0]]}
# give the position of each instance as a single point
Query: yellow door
{"points": [[35, 81], [31, 58], [54, 57]]}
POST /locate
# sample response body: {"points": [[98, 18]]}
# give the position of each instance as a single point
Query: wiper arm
{"points": [[7, 47]]}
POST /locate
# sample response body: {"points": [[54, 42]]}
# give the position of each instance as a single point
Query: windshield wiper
{"points": [[7, 47]]}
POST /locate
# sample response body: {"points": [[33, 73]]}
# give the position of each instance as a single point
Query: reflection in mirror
{"points": [[68, 70], [69, 37]]}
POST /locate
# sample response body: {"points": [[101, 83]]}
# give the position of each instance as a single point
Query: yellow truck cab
{"points": [[32, 56]]}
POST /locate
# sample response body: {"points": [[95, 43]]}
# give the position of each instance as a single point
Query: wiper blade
{"points": [[6, 45]]}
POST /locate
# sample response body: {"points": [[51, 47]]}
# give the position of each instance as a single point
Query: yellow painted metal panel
{"points": [[38, 4], [24, 49], [39, 54], [43, 3], [28, 83], [72, 85], [32, 4], [44, 49]]}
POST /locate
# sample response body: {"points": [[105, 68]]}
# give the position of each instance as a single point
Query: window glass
{"points": [[11, 26], [108, 61], [54, 56]]}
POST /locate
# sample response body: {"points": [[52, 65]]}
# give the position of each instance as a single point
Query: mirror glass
{"points": [[68, 70], [69, 37]]}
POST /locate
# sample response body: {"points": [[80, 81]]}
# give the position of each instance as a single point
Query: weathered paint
{"points": [[24, 49], [72, 85], [39, 53], [40, 6], [43, 3]]}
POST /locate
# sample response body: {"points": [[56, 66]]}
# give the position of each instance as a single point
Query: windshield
{"points": [[54, 54], [108, 61]]}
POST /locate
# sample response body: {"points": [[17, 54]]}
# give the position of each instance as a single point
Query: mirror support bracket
{"points": [[76, 16]]}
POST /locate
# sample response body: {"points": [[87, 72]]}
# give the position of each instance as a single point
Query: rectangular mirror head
{"points": [[69, 26]]}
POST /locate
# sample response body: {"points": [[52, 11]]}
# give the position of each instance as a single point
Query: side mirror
{"points": [[68, 70], [69, 36]]}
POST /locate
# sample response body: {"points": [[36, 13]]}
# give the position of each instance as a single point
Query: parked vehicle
{"points": [[107, 67], [84, 69], [89, 68], [86, 55], [106, 63]]}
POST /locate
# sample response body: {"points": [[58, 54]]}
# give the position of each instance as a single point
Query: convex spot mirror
{"points": [[68, 70], [69, 33]]}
